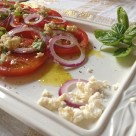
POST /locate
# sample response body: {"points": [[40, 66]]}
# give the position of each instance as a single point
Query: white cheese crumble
{"points": [[17, 7], [52, 103], [10, 42], [72, 28], [13, 61], [46, 93], [115, 86], [43, 10], [48, 28], [39, 54], [93, 109], [90, 94]]}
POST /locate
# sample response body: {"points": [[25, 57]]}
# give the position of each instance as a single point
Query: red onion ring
{"points": [[4, 10], [65, 88], [64, 62], [26, 28], [6, 20], [13, 24], [72, 44], [55, 17], [22, 29], [24, 50], [38, 18]]}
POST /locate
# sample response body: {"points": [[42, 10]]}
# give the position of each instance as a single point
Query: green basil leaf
{"points": [[122, 17], [2, 31], [107, 37], [17, 13], [122, 52], [38, 44], [131, 31], [130, 34], [3, 15], [118, 28], [4, 50]]}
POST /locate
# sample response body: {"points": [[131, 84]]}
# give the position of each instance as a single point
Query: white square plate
{"points": [[19, 95]]}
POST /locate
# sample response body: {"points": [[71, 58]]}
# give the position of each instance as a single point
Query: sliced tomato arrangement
{"points": [[35, 34], [82, 39], [20, 65]]}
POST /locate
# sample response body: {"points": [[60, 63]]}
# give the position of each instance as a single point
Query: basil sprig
{"points": [[120, 36], [2, 31], [38, 44]]}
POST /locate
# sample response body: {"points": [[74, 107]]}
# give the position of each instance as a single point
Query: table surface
{"points": [[100, 11]]}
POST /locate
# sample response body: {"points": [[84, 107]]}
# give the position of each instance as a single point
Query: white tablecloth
{"points": [[90, 10]]}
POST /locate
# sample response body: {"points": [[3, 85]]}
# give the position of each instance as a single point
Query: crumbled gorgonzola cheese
{"points": [[43, 10], [72, 114], [93, 109], [46, 93], [52, 103], [13, 61], [48, 28], [39, 54], [17, 7], [85, 90], [10, 42], [72, 28], [90, 94]]}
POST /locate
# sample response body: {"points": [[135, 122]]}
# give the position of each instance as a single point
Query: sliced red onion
{"points": [[66, 88], [64, 62], [6, 20], [64, 33], [19, 29], [55, 17], [24, 50], [26, 28], [38, 18], [13, 24], [5, 10]]}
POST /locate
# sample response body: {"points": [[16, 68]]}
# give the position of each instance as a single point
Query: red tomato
{"points": [[26, 42], [21, 64], [18, 64], [82, 39], [3, 5], [54, 13], [4, 21], [50, 12], [48, 19], [16, 21]]}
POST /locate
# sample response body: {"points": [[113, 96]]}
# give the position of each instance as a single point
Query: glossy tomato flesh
{"points": [[83, 42], [19, 65]]}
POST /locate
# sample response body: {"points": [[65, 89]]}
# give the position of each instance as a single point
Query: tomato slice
{"points": [[3, 5], [20, 65], [5, 16], [4, 23], [49, 19], [54, 13], [82, 39], [18, 20], [50, 12]]}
